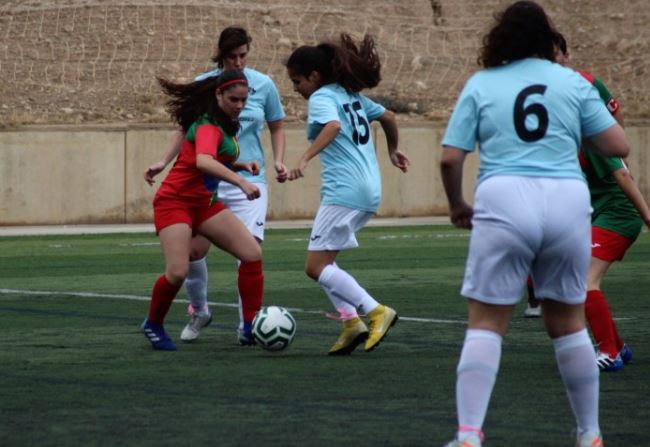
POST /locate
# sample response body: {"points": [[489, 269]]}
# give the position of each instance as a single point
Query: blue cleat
{"points": [[626, 354], [157, 336], [608, 364], [245, 335]]}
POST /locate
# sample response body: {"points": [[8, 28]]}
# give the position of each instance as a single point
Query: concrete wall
{"points": [[64, 175]]}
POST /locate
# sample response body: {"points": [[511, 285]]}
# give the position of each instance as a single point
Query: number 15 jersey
{"points": [[349, 170], [532, 114]]}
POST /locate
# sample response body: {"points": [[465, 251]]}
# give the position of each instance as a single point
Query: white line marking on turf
{"points": [[212, 303], [183, 301]]}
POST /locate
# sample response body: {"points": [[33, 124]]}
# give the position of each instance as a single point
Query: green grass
{"points": [[75, 371]]}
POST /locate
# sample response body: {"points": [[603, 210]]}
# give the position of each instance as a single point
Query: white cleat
{"points": [[533, 312], [590, 439], [192, 330]]}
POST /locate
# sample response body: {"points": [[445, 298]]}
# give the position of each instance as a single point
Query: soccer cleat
{"points": [[533, 312], [245, 335], [381, 319], [353, 334], [192, 329], [625, 354], [472, 440], [608, 364], [157, 336], [590, 439]]}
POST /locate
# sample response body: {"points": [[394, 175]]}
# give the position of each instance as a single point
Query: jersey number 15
{"points": [[360, 123]]}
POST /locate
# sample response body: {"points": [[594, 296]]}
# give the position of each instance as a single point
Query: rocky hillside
{"points": [[95, 61]]}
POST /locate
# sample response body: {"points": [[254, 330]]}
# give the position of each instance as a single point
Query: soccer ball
{"points": [[274, 328]]}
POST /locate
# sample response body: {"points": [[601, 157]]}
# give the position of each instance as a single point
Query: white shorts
{"points": [[523, 225], [251, 212], [335, 227]]}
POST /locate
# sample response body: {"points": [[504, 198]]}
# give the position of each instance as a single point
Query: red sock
{"points": [[599, 317], [251, 288], [162, 295]]}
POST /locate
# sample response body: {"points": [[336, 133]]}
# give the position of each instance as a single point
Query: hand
{"points": [[461, 215], [298, 171], [400, 160], [281, 172], [253, 167], [153, 171], [251, 191]]}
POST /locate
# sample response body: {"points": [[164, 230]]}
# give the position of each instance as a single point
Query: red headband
{"points": [[234, 81]]}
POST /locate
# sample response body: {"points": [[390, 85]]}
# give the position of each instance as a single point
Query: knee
{"points": [[199, 248], [177, 273], [252, 254], [314, 270]]}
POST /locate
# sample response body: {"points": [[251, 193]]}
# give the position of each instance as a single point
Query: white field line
{"points": [[183, 301]]}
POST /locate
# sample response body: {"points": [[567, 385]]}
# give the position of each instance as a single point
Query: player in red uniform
{"points": [[186, 202], [619, 212]]}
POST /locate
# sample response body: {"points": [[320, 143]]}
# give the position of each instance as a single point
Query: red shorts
{"points": [[167, 212], [608, 245]]}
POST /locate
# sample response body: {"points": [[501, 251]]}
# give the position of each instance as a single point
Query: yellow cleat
{"points": [[353, 334], [381, 319]]}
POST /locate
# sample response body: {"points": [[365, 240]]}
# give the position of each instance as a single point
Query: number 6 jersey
{"points": [[533, 114], [349, 169]]}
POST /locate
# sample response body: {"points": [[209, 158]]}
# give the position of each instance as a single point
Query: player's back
{"points": [[532, 113]]}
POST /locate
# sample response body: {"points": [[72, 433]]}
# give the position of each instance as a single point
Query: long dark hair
{"points": [[230, 39], [522, 30], [189, 102], [351, 65]]}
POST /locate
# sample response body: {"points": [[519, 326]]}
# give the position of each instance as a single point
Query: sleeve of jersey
{"points": [[608, 99], [462, 129], [322, 109], [208, 139], [373, 110], [594, 116], [273, 110], [603, 166]]}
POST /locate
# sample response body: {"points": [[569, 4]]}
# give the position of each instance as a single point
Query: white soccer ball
{"points": [[274, 328]]}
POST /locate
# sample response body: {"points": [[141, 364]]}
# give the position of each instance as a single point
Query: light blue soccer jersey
{"points": [[263, 105], [528, 118], [349, 169]]}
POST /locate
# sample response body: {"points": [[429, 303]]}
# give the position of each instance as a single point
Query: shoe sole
{"points": [[392, 323], [188, 340], [346, 350]]}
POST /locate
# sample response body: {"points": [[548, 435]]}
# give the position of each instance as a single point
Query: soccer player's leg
{"points": [[175, 242], [229, 233], [196, 286]]}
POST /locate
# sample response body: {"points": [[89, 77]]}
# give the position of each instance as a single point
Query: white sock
{"points": [[576, 361], [346, 310], [240, 308], [343, 286], [476, 373], [241, 314], [196, 285]]}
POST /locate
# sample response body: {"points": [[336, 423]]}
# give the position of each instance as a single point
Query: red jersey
{"points": [[185, 181]]}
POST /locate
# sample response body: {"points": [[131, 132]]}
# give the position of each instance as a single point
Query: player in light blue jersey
{"points": [[330, 76], [262, 107], [531, 212]]}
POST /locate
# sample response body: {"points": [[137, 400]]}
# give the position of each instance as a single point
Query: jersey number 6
{"points": [[521, 113]]}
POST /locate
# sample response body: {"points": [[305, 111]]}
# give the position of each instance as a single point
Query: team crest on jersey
{"points": [[612, 105]]}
